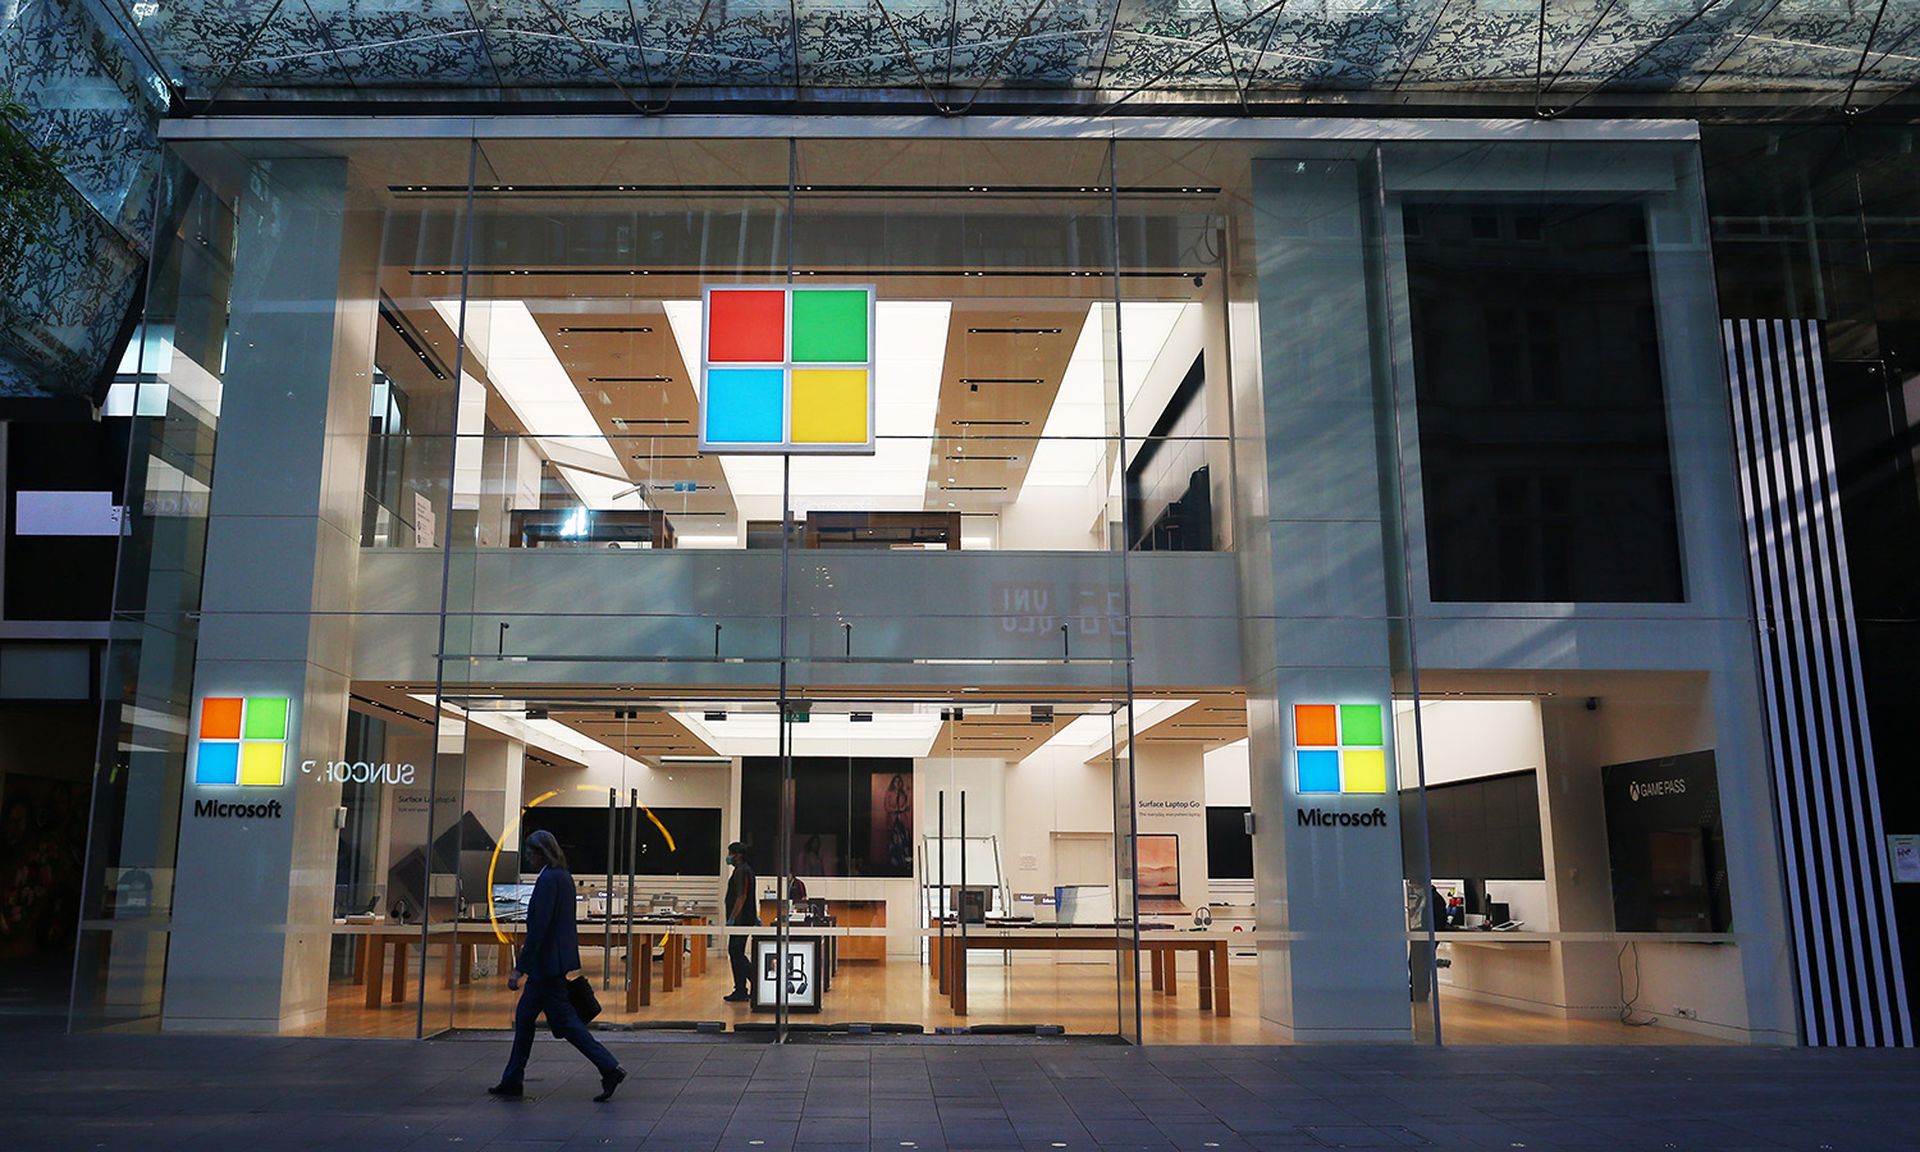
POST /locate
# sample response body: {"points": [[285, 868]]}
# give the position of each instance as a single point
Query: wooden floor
{"points": [[1083, 997]]}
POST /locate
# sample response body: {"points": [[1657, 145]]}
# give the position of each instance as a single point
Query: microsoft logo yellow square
{"points": [[242, 740], [1340, 748]]}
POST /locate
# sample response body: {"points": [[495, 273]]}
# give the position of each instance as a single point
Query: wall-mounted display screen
{"points": [[1664, 844], [1229, 847], [685, 842], [1486, 829], [851, 816]]}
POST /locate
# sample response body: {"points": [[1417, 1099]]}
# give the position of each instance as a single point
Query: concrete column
{"points": [[253, 903], [1310, 442]]}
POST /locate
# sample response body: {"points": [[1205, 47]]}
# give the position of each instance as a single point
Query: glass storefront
{"points": [[1290, 589]]}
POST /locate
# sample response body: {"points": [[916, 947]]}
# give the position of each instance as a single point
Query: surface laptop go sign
{"points": [[241, 740], [787, 369]]}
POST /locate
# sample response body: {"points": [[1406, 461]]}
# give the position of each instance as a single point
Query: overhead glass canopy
{"points": [[1554, 54]]}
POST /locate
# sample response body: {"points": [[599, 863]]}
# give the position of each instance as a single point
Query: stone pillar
{"points": [[1313, 463], [254, 885]]}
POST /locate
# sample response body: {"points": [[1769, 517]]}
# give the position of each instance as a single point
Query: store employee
{"points": [[743, 911]]}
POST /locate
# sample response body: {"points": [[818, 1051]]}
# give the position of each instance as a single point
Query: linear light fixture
{"points": [[522, 365]]}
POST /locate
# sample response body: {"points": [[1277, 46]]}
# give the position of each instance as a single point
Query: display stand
{"points": [[945, 862]]}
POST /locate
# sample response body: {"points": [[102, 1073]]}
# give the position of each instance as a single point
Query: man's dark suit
{"points": [[553, 940], [552, 950]]}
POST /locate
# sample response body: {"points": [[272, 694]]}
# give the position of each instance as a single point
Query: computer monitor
{"points": [[510, 900]]}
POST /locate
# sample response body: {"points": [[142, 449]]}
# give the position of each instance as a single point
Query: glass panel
{"points": [[176, 363], [971, 561], [1599, 809]]}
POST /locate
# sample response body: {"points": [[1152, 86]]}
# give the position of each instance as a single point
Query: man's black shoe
{"points": [[608, 1083], [507, 1091], [737, 997]]}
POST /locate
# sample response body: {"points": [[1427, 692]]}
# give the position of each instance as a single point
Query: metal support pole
{"points": [[958, 916], [606, 927], [940, 887], [633, 854]]}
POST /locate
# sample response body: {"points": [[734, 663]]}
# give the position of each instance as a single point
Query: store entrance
{"points": [[918, 863]]}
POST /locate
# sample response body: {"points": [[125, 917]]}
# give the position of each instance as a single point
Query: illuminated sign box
{"points": [[1339, 749], [242, 740], [788, 369]]}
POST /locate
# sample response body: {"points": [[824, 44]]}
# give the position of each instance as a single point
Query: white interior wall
{"points": [[1055, 518], [1170, 796], [1053, 790], [1668, 716], [1467, 739], [1229, 779]]}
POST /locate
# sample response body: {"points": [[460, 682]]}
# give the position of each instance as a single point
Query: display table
{"points": [[1161, 945], [459, 939], [846, 914]]}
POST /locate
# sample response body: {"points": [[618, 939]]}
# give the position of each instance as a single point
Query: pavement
{"points": [[210, 1094]]}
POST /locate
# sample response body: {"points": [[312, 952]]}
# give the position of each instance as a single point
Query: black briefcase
{"points": [[580, 995]]}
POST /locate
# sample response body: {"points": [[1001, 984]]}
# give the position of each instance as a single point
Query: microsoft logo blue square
{"points": [[1317, 769], [219, 763]]}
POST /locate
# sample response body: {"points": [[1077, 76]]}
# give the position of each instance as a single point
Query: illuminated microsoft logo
{"points": [[243, 740], [787, 370], [1339, 748]]}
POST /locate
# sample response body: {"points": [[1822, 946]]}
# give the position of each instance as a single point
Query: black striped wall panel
{"points": [[1832, 840]]}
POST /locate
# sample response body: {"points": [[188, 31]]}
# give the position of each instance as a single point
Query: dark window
{"points": [[1543, 427], [62, 577], [1169, 489]]}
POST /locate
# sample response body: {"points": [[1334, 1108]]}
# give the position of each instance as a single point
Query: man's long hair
{"points": [[542, 845]]}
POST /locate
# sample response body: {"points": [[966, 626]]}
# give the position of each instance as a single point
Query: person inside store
{"points": [[743, 911], [548, 960]]}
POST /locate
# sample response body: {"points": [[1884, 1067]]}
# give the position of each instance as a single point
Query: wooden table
{"points": [[1162, 948], [460, 939]]}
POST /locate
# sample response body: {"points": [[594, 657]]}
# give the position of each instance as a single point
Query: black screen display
{"points": [[685, 842], [1229, 848], [1667, 858], [851, 817], [1486, 829]]}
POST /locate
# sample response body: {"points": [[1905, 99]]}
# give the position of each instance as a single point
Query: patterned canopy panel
{"points": [[1554, 51]]}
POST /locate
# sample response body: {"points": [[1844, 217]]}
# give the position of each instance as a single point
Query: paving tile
{"points": [[207, 1094]]}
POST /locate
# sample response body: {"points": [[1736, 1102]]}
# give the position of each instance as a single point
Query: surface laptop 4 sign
{"points": [[787, 369]]}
